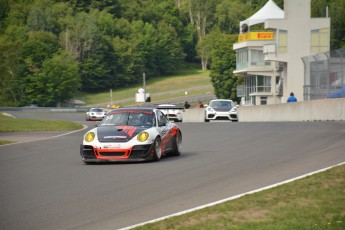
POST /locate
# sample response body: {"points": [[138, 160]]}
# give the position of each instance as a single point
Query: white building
{"points": [[270, 48]]}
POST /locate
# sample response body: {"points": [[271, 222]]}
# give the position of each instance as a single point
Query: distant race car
{"points": [[173, 112], [221, 109], [131, 134], [95, 114]]}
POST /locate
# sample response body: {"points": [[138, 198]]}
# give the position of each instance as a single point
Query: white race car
{"points": [[95, 114], [131, 134], [175, 113], [221, 109]]}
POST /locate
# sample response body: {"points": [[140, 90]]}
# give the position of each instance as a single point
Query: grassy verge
{"points": [[4, 142], [184, 80], [9, 124], [315, 202]]}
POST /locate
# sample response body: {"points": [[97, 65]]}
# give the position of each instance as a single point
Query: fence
{"points": [[324, 75]]}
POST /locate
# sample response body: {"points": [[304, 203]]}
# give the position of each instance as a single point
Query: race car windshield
{"points": [[96, 110], [221, 104], [129, 119]]}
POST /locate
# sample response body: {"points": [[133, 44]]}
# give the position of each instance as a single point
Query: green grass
{"points": [[315, 202], [9, 124], [4, 142], [182, 80]]}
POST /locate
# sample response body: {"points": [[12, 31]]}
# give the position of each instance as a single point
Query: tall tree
{"points": [[98, 71], [57, 81], [39, 47], [143, 39], [81, 35], [10, 47], [41, 17], [230, 13], [169, 53], [223, 64], [337, 14], [4, 10], [201, 14]]}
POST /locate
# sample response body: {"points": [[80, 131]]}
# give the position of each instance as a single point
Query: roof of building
{"points": [[269, 11]]}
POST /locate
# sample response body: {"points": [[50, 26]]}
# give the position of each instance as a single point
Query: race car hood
{"points": [[117, 133]]}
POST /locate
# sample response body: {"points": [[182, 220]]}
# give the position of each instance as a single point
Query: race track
{"points": [[45, 185]]}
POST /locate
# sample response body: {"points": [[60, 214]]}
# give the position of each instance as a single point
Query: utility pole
{"points": [[111, 97], [144, 86]]}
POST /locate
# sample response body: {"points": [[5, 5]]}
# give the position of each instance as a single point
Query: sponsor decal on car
{"points": [[115, 137], [112, 146]]}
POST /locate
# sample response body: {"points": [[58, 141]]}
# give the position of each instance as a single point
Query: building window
{"points": [[319, 40], [263, 100], [257, 58], [256, 84], [242, 59], [282, 41], [246, 58], [264, 83]]}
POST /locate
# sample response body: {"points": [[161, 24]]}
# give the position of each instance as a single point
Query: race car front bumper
{"points": [[218, 116], [221, 116], [136, 153]]}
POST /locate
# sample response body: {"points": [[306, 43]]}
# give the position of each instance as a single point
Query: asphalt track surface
{"points": [[45, 185]]}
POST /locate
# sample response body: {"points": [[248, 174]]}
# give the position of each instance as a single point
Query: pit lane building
{"points": [[270, 48]]}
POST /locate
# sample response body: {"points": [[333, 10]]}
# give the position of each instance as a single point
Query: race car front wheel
{"points": [[157, 149]]}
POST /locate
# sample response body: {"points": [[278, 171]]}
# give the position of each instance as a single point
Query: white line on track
{"points": [[230, 198]]}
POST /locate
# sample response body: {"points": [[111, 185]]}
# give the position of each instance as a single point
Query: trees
{"points": [[169, 52], [201, 16], [98, 70], [38, 47], [81, 35], [229, 14], [114, 41], [10, 45], [57, 81], [223, 64], [337, 12]]}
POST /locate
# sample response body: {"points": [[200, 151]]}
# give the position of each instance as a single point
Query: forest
{"points": [[50, 50]]}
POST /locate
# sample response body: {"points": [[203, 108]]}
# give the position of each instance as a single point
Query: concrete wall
{"points": [[194, 115], [316, 110]]}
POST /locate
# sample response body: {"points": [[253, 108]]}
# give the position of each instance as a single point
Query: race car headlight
{"points": [[210, 109], [143, 136], [90, 136], [233, 109]]}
